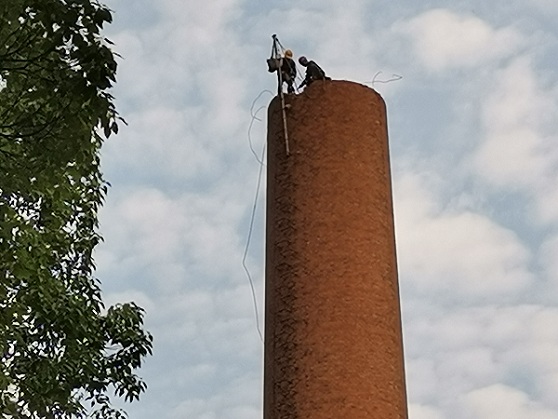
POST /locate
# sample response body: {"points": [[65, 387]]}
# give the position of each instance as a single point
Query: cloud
{"points": [[204, 22], [455, 250], [518, 148], [417, 411], [457, 355], [502, 401], [350, 51], [444, 40], [173, 240], [549, 264], [234, 403]]}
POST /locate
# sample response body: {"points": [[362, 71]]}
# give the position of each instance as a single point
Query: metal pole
{"points": [[283, 113]]}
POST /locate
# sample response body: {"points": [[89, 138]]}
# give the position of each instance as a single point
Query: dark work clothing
{"points": [[288, 68], [313, 72], [288, 73]]}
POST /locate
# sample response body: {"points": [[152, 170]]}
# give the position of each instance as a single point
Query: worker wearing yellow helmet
{"points": [[288, 70]]}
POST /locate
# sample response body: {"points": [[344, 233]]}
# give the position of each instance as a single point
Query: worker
{"points": [[288, 70], [313, 72]]}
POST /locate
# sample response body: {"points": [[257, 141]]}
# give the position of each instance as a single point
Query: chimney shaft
{"points": [[333, 341]]}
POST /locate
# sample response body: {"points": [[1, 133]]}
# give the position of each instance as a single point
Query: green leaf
{"points": [[55, 74]]}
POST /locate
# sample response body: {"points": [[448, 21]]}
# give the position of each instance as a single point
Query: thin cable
{"points": [[255, 118], [250, 229], [275, 39], [394, 77], [256, 99]]}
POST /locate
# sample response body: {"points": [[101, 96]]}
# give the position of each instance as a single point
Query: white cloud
{"points": [[517, 150], [549, 262], [235, 401], [158, 236], [458, 354], [457, 250], [500, 401], [417, 411], [421, 376], [518, 147], [204, 21], [349, 51], [443, 39]]}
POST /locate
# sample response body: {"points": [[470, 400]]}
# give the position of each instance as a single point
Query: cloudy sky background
{"points": [[473, 134]]}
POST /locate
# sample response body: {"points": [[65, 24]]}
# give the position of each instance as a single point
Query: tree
{"points": [[62, 352]]}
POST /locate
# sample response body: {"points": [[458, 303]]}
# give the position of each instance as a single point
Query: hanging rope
{"points": [[254, 116], [248, 240], [394, 77]]}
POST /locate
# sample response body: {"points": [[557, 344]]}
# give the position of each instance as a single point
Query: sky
{"points": [[472, 106]]}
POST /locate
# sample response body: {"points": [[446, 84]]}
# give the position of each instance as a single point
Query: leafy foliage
{"points": [[61, 351]]}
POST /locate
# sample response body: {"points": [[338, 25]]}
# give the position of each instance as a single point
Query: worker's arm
{"points": [[306, 79]]}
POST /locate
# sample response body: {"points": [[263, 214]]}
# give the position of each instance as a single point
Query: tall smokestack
{"points": [[333, 341]]}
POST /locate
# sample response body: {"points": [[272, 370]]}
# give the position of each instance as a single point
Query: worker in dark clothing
{"points": [[288, 70], [313, 72]]}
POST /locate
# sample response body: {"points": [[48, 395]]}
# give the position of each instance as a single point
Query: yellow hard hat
{"points": [[288, 53]]}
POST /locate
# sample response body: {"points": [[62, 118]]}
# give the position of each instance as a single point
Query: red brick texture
{"points": [[333, 344]]}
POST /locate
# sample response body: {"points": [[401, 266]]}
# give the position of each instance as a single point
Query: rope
{"points": [[394, 77], [275, 43], [274, 54], [255, 118], [248, 240]]}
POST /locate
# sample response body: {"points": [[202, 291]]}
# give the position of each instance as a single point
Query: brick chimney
{"points": [[333, 339]]}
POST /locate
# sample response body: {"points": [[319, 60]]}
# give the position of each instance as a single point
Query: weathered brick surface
{"points": [[333, 345]]}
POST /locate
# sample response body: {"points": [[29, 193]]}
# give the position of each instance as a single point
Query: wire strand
{"points": [[394, 77], [248, 240], [255, 118]]}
